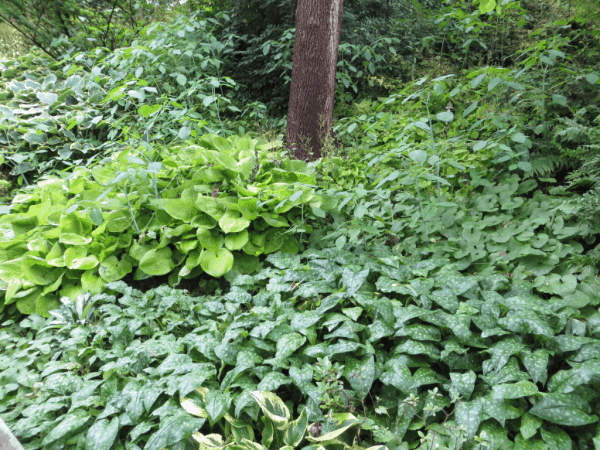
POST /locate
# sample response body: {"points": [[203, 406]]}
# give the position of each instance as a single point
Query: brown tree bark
{"points": [[310, 111]]}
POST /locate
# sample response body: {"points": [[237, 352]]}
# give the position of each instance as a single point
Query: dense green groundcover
{"points": [[385, 349], [431, 282]]}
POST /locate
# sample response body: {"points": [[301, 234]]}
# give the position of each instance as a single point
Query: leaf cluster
{"points": [[181, 211]]}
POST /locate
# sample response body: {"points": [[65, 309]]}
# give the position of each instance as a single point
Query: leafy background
{"points": [[170, 277]]}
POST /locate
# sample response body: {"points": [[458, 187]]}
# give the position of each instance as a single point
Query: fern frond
{"points": [[545, 165]]}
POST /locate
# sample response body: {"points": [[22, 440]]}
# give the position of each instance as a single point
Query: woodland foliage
{"points": [[171, 278]]}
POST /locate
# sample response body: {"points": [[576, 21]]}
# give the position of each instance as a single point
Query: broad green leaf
{"points": [[233, 222], [111, 269], [559, 99], [217, 404], [477, 80], [157, 262], [34, 138], [192, 407], [267, 432], [519, 138], [526, 322], [397, 374], [472, 107], [515, 390], [275, 220], [216, 262], [203, 221], [77, 258], [302, 377], [210, 206], [208, 442], [236, 241], [184, 133], [486, 6], [536, 363], [136, 94], [419, 156], [494, 82], [73, 239], [295, 432], [72, 424], [556, 438], [468, 415], [183, 210], [331, 430], [463, 383], [38, 271], [288, 344], [118, 221], [531, 444], [529, 425], [47, 97], [592, 78], [272, 381], [353, 281], [445, 116], [96, 216], [360, 375], [91, 282]]}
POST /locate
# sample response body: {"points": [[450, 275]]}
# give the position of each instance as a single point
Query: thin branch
{"points": [[108, 24]]}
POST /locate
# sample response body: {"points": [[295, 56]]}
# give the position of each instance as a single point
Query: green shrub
{"points": [[180, 211], [49, 120], [11, 43], [58, 115]]}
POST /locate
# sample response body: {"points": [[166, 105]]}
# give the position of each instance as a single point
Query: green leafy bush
{"points": [[56, 115], [180, 211], [49, 120], [11, 43], [55, 27]]}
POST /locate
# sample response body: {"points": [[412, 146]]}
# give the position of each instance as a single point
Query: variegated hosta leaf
{"points": [[209, 441], [273, 407], [193, 408], [295, 432]]}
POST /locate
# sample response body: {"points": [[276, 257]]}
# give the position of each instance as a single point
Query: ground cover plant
{"points": [[366, 347], [170, 278]]}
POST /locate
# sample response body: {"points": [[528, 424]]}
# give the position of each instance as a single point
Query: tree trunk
{"points": [[310, 112]]}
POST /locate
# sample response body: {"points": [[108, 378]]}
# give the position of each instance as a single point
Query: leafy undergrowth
{"points": [[385, 349], [181, 211], [432, 284]]}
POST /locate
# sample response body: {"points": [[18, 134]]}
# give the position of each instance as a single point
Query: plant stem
{"points": [[218, 115], [422, 211], [434, 148], [135, 225]]}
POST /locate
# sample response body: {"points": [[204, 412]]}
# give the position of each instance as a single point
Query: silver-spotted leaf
{"points": [[562, 409], [468, 414], [174, 429], [102, 434]]}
